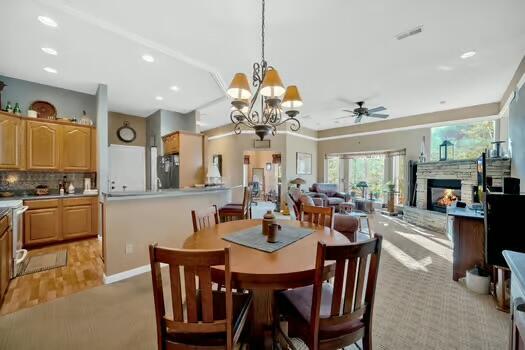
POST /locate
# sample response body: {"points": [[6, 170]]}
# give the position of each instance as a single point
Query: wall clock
{"points": [[126, 133]]}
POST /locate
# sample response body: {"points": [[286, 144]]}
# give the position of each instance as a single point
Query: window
{"points": [[469, 140], [333, 170], [368, 169]]}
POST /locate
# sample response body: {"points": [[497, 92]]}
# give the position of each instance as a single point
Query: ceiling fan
{"points": [[361, 111]]}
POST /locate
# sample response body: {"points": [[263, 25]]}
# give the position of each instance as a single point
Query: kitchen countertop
{"points": [[516, 262], [47, 196], [466, 213], [165, 193]]}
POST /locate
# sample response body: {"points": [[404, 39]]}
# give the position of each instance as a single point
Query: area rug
{"points": [[45, 262]]}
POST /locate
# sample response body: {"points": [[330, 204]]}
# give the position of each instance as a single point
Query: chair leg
{"points": [[367, 339]]}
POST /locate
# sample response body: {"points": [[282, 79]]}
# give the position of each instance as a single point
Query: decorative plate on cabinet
{"points": [[44, 109]]}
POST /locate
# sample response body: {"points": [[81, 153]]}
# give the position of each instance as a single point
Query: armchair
{"points": [[328, 193], [346, 224]]}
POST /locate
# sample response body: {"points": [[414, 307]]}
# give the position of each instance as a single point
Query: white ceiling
{"points": [[333, 50]]}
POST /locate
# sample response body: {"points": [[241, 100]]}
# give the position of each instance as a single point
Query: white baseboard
{"points": [[128, 274]]}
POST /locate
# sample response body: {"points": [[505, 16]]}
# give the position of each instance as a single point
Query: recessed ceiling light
{"points": [[445, 68], [50, 70], [174, 88], [148, 58], [159, 98], [48, 21], [50, 51], [468, 54]]}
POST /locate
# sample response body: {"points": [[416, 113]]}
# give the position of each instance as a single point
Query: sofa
{"points": [[328, 193], [346, 224]]}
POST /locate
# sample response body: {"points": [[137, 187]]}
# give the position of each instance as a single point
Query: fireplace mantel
{"points": [[463, 170]]}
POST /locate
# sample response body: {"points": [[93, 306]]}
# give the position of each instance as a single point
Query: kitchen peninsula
{"points": [[133, 220]]}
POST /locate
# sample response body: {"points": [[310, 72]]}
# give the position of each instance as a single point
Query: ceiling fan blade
{"points": [[348, 110], [344, 117], [377, 109], [358, 119], [378, 115]]}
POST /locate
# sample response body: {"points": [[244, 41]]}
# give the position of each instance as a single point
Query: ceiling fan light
{"points": [[239, 87], [292, 99], [272, 85]]}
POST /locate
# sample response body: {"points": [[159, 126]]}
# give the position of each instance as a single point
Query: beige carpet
{"points": [[418, 306]]}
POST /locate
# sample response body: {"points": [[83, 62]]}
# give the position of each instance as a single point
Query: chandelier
{"points": [[269, 90]]}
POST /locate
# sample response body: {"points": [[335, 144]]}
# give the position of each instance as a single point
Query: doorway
{"points": [[262, 170]]}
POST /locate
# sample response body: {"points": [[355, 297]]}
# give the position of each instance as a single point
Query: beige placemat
{"points": [[44, 262]]}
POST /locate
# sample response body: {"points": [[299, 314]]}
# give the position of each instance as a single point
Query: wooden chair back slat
{"points": [[361, 282], [338, 287], [205, 219], [351, 272], [356, 270], [176, 293], [196, 269], [191, 293], [323, 216], [205, 284]]}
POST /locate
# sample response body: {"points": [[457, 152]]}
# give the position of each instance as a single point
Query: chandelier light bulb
{"points": [[272, 85], [292, 99], [239, 87]]}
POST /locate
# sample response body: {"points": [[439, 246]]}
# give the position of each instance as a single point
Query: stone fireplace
{"points": [[440, 183]]}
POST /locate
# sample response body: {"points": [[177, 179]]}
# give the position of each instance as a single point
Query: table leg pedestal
{"points": [[262, 319]]}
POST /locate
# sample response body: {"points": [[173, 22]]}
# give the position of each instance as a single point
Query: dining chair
{"points": [[323, 216], [208, 319], [204, 219], [238, 211], [327, 316]]}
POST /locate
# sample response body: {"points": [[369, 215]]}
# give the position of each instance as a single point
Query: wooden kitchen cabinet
{"points": [[76, 148], [43, 145], [6, 256], [55, 220], [42, 226], [94, 150], [77, 218], [171, 143], [11, 142]]}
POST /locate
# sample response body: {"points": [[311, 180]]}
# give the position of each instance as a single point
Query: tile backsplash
{"points": [[28, 180]]}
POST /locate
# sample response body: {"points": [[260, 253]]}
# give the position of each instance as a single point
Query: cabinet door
{"points": [[42, 226], [11, 142], [43, 140], [5, 261], [76, 148], [76, 221], [94, 150]]}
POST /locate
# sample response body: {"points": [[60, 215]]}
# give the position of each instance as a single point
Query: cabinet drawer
{"points": [[4, 224], [42, 203], [68, 202]]}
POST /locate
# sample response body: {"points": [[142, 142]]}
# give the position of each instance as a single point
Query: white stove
{"points": [[17, 214]]}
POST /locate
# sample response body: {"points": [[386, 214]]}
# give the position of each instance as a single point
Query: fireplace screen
{"points": [[444, 197]]}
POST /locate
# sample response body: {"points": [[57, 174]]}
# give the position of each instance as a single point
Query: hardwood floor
{"points": [[84, 270]]}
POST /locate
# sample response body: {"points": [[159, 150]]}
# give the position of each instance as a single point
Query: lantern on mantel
{"points": [[446, 150]]}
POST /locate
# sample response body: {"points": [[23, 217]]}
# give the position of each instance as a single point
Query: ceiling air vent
{"points": [[410, 32]]}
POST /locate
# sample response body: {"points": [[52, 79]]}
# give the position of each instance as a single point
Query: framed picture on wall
{"points": [[304, 163]]}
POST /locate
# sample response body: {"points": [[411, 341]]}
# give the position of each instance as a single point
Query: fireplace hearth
{"points": [[442, 193]]}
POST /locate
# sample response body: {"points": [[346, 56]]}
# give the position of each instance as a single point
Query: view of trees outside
{"points": [[333, 170], [469, 140], [371, 170]]}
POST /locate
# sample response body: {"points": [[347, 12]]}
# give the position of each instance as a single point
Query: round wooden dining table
{"points": [[264, 273]]}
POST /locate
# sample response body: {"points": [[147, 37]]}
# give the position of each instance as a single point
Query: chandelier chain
{"points": [[263, 27]]}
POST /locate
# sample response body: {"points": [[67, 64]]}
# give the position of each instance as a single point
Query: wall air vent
{"points": [[410, 32]]}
